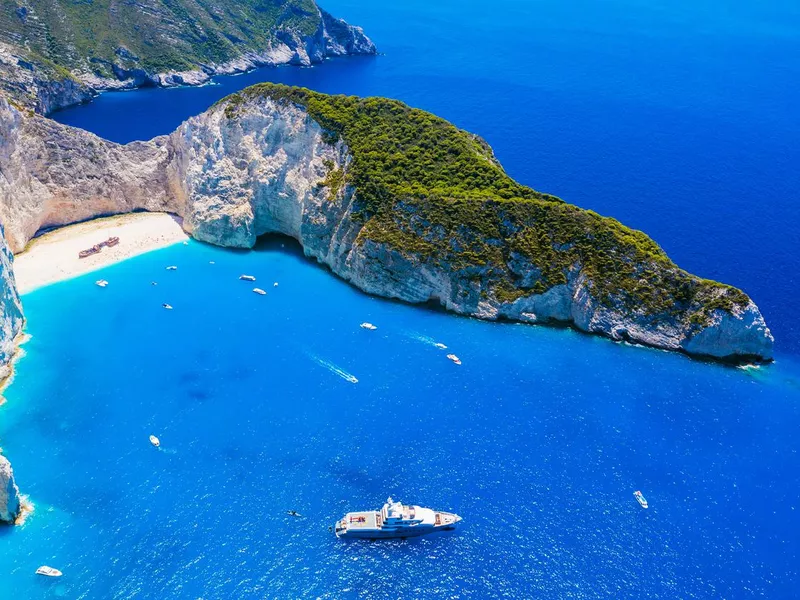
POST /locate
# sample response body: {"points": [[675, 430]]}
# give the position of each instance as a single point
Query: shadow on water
{"points": [[273, 242]]}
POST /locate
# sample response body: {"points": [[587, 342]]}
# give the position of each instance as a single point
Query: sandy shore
{"points": [[54, 256]]}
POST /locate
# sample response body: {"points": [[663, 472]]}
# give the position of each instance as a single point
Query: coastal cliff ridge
{"points": [[395, 200]]}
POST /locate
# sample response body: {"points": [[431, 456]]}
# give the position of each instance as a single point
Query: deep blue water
{"points": [[677, 118], [538, 439]]}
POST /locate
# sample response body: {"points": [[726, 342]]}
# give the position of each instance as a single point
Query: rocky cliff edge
{"points": [[282, 160]]}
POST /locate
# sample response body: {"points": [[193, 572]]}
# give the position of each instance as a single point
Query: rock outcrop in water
{"points": [[10, 502], [54, 53], [447, 225]]}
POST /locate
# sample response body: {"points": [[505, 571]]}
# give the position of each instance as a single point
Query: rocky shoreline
{"points": [[44, 88], [265, 167]]}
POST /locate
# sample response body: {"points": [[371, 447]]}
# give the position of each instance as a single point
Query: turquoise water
{"points": [[538, 439], [678, 118]]}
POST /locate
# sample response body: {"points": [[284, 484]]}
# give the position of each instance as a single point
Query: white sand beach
{"points": [[53, 256]]}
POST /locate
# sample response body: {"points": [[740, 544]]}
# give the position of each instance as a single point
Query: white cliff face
{"points": [[44, 88], [36, 85], [56, 175], [11, 319], [10, 504], [254, 173], [242, 170]]}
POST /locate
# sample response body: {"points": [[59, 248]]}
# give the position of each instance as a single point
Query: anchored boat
{"points": [[640, 498], [395, 520], [48, 571]]}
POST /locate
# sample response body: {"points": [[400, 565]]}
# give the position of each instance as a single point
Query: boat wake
{"points": [[334, 369], [425, 340]]}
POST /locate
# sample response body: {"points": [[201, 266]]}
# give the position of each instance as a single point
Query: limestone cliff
{"points": [[54, 53], [11, 320], [397, 202], [10, 503]]}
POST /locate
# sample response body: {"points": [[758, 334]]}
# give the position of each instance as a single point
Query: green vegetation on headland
{"points": [[153, 36], [436, 193]]}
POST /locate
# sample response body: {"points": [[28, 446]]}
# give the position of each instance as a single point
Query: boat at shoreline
{"points": [[395, 520]]}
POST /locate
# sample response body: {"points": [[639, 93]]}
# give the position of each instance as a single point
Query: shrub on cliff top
{"points": [[432, 190]]}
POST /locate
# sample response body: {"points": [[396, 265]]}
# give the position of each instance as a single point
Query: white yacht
{"points": [[48, 571], [260, 292], [369, 326], [395, 520], [247, 277], [454, 358]]}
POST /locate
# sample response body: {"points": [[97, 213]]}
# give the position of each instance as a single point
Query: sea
{"points": [[677, 118]]}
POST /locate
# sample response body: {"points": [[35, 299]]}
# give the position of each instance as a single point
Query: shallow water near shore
{"points": [[676, 119], [538, 440]]}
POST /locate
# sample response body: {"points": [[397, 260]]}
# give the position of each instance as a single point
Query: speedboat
{"points": [[167, 306], [395, 520], [259, 291], [454, 358], [101, 283], [351, 378], [172, 268], [48, 571], [640, 498], [155, 441], [369, 326], [247, 278], [440, 346]]}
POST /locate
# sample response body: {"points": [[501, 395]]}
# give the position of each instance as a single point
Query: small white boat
{"points": [[351, 378], [369, 326], [454, 358], [211, 262], [440, 346], [640, 498], [247, 278], [172, 268], [185, 243], [275, 284], [153, 283], [101, 283], [48, 571], [155, 441], [167, 306], [259, 291]]}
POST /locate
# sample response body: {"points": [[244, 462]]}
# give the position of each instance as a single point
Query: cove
{"points": [[538, 439]]}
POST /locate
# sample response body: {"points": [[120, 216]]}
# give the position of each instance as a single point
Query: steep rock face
{"points": [[10, 504], [55, 53], [55, 175], [11, 320], [37, 85], [263, 164]]}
